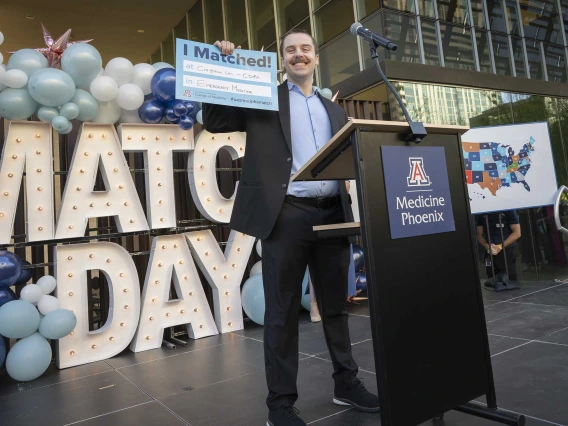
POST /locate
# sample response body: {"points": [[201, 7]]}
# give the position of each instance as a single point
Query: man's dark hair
{"points": [[298, 31]]}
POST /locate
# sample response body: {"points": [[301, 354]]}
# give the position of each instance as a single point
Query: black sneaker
{"points": [[353, 393], [286, 415]]}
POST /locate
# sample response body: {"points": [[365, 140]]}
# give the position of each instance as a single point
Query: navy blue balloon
{"points": [[163, 84], [151, 112], [192, 108], [186, 122], [149, 97], [2, 351], [26, 273], [10, 268], [361, 282], [7, 295], [171, 115], [180, 109], [358, 258]]}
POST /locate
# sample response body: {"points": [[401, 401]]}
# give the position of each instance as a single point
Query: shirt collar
{"points": [[295, 88]]}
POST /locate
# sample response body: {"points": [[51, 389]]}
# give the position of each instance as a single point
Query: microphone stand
{"points": [[417, 130]]}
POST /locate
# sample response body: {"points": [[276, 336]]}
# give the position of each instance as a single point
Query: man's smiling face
{"points": [[299, 57]]}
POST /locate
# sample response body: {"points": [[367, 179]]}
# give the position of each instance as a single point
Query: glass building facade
{"points": [[523, 40]]}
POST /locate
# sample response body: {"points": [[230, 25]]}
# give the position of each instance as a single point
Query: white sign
{"points": [[509, 167]]}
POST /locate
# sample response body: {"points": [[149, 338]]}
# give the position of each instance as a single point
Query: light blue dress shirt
{"points": [[311, 130]]}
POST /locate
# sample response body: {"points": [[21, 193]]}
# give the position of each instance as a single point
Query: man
{"points": [[503, 233], [282, 215]]}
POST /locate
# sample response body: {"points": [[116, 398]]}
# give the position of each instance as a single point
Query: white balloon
{"points": [[130, 96], [16, 79], [199, 116], [142, 76], [31, 293], [256, 269], [129, 117], [47, 284], [104, 89], [109, 112], [47, 304], [120, 70], [1, 56], [1, 39], [87, 86], [2, 70], [259, 248]]}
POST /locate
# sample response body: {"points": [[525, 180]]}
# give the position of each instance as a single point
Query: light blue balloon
{"points": [[46, 114], [306, 297], [67, 130], [327, 93], [252, 297], [27, 60], [18, 319], [17, 104], [160, 65], [51, 87], [70, 111], [199, 117], [60, 123], [29, 358], [82, 62], [88, 105], [57, 324]]}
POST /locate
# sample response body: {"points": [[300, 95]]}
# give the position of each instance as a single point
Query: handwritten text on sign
{"points": [[245, 79]]}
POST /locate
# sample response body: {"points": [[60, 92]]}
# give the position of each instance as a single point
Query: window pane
{"points": [[555, 63], [496, 16], [518, 57], [401, 28], [168, 49], [541, 26], [458, 50], [402, 5], [453, 11], [237, 24], [482, 40], [535, 60], [339, 60], [431, 52], [366, 7], [291, 13], [502, 56], [263, 24], [332, 19], [214, 20], [196, 23], [513, 18], [478, 18], [156, 56], [180, 31], [426, 8]]}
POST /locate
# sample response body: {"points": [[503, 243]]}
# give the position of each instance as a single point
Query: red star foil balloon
{"points": [[55, 48]]}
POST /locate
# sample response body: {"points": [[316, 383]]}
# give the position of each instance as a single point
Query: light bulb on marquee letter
{"points": [[158, 312], [71, 265], [202, 165], [23, 149], [157, 142], [224, 272], [123, 203]]}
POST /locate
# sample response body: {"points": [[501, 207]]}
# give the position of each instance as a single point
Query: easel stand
{"points": [[428, 325]]}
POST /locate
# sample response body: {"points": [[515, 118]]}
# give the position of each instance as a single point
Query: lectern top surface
{"points": [[364, 125]]}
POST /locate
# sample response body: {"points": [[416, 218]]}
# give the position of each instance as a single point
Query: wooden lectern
{"points": [[427, 318]]}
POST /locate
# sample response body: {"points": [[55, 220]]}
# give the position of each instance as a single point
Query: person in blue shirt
{"points": [[500, 242]]}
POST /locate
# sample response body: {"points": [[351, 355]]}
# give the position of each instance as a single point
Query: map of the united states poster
{"points": [[509, 167]]}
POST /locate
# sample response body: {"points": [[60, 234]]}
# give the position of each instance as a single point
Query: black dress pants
{"points": [[291, 247], [509, 257]]}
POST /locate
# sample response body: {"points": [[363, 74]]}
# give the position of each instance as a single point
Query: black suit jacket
{"points": [[268, 159]]}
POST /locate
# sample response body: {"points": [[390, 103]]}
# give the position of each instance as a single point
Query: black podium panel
{"points": [[427, 312]]}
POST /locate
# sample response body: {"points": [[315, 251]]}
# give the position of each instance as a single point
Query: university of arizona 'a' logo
{"points": [[417, 176]]}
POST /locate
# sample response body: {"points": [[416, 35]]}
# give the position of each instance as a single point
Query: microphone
{"points": [[358, 30]]}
